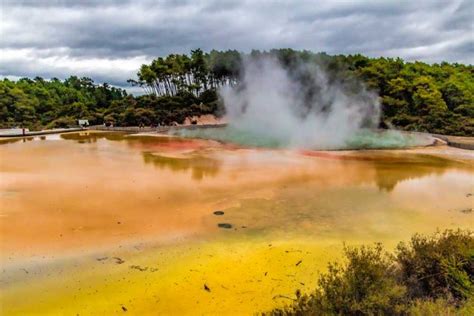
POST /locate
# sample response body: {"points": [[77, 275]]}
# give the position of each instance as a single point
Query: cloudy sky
{"points": [[108, 40]]}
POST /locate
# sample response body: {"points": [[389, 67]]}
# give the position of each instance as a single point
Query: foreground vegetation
{"points": [[430, 275], [437, 98]]}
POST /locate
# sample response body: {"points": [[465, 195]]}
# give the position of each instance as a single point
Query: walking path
{"points": [[7, 133]]}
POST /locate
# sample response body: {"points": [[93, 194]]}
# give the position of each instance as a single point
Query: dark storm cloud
{"points": [[108, 40]]}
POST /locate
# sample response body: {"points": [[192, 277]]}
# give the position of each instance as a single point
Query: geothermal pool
{"points": [[359, 139], [98, 223]]}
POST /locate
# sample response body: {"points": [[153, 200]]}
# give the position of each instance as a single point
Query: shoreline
{"points": [[43, 132], [461, 142]]}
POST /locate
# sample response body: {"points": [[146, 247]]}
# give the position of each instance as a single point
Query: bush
{"points": [[431, 308], [364, 285], [430, 275], [208, 96], [63, 122], [438, 266], [465, 109]]}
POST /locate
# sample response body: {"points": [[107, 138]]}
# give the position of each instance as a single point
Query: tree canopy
{"points": [[437, 98], [53, 103], [195, 73]]}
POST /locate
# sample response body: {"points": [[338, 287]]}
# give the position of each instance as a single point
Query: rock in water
{"points": [[224, 225]]}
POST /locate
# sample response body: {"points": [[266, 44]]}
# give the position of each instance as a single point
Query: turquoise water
{"points": [[362, 139], [369, 139]]}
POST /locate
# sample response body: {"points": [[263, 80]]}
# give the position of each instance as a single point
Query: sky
{"points": [[108, 40]]}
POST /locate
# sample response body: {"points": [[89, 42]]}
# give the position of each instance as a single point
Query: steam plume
{"points": [[304, 107]]}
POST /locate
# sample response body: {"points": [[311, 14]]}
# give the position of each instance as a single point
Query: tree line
{"points": [[195, 73], [416, 96], [38, 103]]}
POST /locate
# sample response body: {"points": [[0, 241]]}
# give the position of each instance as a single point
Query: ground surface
{"points": [[95, 223]]}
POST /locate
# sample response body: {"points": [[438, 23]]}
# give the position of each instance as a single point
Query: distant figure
{"points": [[83, 123], [23, 131]]}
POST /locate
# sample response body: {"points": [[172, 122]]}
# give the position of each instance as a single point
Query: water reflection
{"points": [[390, 168], [264, 190], [357, 196], [141, 142], [93, 137], [390, 172], [418, 204], [200, 166], [15, 140]]}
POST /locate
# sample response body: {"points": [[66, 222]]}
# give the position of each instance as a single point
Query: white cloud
{"points": [[30, 62], [108, 40]]}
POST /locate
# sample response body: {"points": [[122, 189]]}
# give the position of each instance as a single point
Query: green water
{"points": [[386, 139], [363, 139]]}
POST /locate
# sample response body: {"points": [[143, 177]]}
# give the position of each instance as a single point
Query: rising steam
{"points": [[304, 107]]}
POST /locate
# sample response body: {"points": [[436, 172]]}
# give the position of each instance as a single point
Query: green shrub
{"points": [[467, 309], [208, 96], [439, 307], [364, 285], [438, 266], [465, 109], [62, 122], [430, 275]]}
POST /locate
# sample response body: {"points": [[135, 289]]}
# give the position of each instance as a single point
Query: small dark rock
{"points": [[124, 308], [206, 287], [118, 260], [219, 213], [139, 268], [466, 210], [224, 225]]}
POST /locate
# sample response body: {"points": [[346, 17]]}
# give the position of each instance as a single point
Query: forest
{"points": [[415, 96]]}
